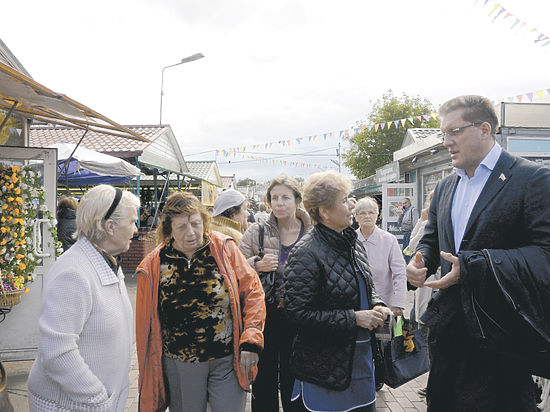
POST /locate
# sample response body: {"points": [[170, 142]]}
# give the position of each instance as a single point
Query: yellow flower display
{"points": [[21, 200]]}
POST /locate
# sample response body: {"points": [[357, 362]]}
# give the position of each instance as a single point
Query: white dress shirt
{"points": [[467, 192]]}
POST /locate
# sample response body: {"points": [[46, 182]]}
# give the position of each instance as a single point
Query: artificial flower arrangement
{"points": [[22, 201]]}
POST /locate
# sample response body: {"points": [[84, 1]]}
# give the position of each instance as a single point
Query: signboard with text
{"points": [[392, 198], [387, 173]]}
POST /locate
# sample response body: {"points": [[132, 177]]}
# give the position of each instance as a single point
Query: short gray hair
{"points": [[321, 189], [476, 109], [365, 203], [93, 206]]}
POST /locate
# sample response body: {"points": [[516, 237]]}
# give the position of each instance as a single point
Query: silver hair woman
{"points": [[385, 258], [86, 317]]}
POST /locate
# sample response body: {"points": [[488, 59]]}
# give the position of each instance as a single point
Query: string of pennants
{"points": [[498, 12], [323, 136], [531, 96], [241, 151], [278, 161]]}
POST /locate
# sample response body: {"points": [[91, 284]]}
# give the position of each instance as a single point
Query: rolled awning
{"points": [[32, 100]]}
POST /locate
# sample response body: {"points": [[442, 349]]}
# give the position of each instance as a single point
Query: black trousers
{"points": [[273, 366]]}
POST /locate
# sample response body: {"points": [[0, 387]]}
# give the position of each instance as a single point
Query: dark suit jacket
{"points": [[512, 212]]}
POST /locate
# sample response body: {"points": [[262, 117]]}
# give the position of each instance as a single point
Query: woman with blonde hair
{"points": [[330, 298], [200, 314]]}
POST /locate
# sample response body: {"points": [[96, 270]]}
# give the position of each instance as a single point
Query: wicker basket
{"points": [[10, 298]]}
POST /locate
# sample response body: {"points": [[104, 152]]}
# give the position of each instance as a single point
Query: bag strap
{"points": [[260, 240]]}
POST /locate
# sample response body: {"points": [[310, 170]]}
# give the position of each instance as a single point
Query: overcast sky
{"points": [[274, 70]]}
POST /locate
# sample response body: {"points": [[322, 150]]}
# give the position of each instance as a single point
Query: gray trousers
{"points": [[192, 385]]}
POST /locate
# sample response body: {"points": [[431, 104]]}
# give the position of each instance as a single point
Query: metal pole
{"points": [[194, 57], [161, 94]]}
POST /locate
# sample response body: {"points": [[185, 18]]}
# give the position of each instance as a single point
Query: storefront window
{"points": [[12, 134]]}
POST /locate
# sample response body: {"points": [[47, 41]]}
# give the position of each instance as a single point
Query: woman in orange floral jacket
{"points": [[200, 315]]}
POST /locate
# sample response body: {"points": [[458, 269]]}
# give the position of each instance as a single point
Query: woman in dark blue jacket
{"points": [[331, 299]]}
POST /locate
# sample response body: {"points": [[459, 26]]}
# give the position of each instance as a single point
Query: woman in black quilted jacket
{"points": [[332, 302]]}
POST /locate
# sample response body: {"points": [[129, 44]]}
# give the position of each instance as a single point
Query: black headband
{"points": [[116, 201]]}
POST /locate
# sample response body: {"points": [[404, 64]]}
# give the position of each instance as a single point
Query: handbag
{"points": [[406, 355], [267, 278]]}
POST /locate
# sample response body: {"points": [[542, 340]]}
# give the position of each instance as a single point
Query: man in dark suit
{"points": [[494, 200]]}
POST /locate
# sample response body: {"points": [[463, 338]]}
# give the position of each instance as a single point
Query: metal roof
{"points": [[417, 140], [161, 150], [206, 170]]}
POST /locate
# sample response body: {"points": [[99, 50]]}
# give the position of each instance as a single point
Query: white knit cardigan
{"points": [[86, 331]]}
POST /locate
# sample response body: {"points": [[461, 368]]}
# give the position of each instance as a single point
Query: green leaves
{"points": [[382, 135]]}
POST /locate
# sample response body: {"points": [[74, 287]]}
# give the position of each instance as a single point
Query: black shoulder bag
{"points": [[267, 278]]}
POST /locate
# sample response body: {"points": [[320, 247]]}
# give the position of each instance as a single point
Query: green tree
{"points": [[246, 182], [371, 149]]}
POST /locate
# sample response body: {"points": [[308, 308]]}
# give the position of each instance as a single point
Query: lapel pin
{"points": [[502, 177]]}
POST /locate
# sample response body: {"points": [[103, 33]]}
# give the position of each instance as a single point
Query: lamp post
{"points": [[194, 57]]}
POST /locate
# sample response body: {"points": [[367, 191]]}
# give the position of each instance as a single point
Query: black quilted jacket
{"points": [[322, 294]]}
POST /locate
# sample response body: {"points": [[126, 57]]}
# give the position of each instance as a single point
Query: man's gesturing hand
{"points": [[416, 271], [450, 278]]}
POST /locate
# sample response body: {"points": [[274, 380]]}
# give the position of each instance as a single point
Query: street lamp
{"points": [[188, 59]]}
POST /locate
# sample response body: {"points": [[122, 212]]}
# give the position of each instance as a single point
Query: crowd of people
{"points": [[286, 307]]}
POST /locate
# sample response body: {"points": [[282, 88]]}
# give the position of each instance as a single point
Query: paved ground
{"points": [[394, 400], [404, 398]]}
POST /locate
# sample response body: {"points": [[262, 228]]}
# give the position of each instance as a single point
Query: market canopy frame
{"points": [[22, 95]]}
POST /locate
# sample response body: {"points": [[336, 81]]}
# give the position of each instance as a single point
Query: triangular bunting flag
{"points": [[530, 96], [382, 125], [396, 123], [515, 23], [419, 118], [502, 10], [403, 121], [539, 94], [494, 9], [519, 97], [376, 127]]}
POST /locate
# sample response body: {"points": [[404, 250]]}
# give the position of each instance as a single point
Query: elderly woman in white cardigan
{"points": [[86, 326]]}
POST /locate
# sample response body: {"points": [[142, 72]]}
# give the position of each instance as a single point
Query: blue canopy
{"points": [[82, 177], [88, 167]]}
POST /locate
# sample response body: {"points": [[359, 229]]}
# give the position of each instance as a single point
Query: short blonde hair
{"points": [[321, 190], [91, 210], [178, 204], [366, 203]]}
